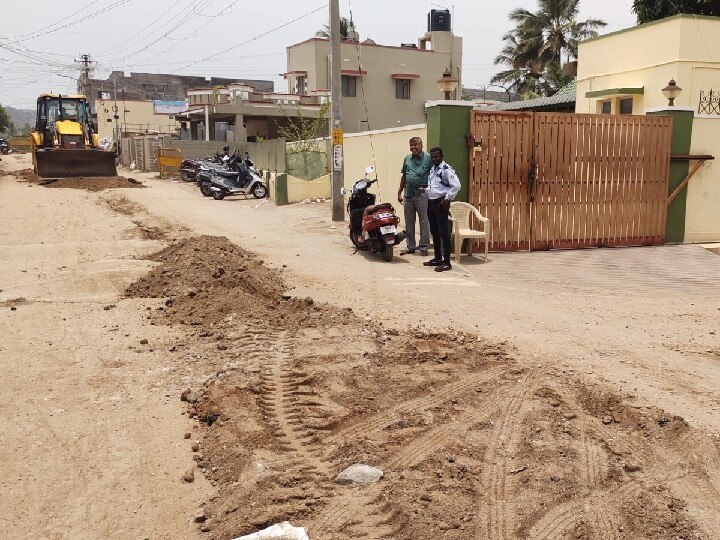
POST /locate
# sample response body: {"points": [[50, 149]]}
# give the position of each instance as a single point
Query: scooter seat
{"points": [[226, 174], [377, 207]]}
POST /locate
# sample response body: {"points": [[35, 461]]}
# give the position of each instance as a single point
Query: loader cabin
{"points": [[66, 115]]}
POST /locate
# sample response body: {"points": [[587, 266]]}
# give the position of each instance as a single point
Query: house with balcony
{"points": [[146, 102], [238, 113]]}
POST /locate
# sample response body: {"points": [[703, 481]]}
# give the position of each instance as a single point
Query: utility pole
{"points": [[87, 68], [338, 172], [116, 117]]}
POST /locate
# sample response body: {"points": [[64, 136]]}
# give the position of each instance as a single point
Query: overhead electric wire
{"points": [[288, 23], [39, 30], [195, 32], [362, 91], [190, 9], [136, 34], [116, 4]]}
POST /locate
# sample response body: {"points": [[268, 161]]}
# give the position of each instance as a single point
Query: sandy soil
{"points": [[96, 183], [509, 399]]}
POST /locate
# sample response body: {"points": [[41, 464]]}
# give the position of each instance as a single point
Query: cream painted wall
{"points": [[299, 189], [702, 223], [684, 48], [134, 115], [391, 146], [384, 110]]}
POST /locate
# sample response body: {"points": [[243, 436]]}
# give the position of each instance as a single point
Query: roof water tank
{"points": [[439, 20]]}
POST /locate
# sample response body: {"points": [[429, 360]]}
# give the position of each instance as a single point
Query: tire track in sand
{"points": [[497, 523], [282, 407], [378, 422], [337, 514]]}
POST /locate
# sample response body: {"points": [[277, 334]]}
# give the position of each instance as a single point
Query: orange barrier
{"points": [[168, 161]]}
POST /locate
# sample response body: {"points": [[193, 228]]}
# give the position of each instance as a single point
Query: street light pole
{"points": [[338, 172]]}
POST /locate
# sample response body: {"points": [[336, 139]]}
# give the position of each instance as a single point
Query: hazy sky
{"points": [[228, 38]]}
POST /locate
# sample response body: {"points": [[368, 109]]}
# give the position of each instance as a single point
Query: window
{"points": [[349, 86], [606, 107], [301, 86], [626, 105], [402, 88]]}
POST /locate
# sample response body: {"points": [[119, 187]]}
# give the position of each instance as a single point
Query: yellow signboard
{"points": [[337, 136]]}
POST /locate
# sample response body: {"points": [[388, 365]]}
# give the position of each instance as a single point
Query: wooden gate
{"points": [[549, 180]]}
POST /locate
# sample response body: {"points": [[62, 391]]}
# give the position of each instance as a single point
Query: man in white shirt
{"points": [[443, 186]]}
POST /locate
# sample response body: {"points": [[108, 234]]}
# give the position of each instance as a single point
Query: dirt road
{"points": [[574, 397]]}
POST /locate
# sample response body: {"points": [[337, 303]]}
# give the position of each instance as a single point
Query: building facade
{"points": [[382, 86], [625, 72], [137, 96]]}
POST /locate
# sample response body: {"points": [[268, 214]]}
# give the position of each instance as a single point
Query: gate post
{"points": [[680, 145], [448, 123]]}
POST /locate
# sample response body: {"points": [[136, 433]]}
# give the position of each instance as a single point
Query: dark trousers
{"points": [[438, 217]]}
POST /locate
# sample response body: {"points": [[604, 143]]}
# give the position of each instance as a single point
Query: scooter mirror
{"points": [[369, 170], [342, 191]]}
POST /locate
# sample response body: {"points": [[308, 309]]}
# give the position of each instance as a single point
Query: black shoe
{"points": [[432, 262], [443, 267]]}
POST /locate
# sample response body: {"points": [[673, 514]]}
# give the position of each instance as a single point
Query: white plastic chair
{"points": [[460, 213]]}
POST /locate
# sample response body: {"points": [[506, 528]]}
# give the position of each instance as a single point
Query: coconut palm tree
{"points": [[346, 26], [552, 30], [519, 77], [541, 40]]}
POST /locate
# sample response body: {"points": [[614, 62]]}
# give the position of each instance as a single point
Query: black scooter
{"points": [[4, 147]]}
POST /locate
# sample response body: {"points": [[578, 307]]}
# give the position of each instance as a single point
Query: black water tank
{"points": [[439, 20]]}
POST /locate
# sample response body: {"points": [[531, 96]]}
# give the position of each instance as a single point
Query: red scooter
{"points": [[373, 227]]}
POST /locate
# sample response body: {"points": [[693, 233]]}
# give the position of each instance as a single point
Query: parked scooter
{"points": [[239, 179], [373, 227], [4, 147], [190, 167]]}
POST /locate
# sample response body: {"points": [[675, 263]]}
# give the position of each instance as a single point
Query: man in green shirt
{"points": [[415, 171]]}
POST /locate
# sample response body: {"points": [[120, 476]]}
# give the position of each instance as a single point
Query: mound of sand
{"points": [[473, 443], [94, 183]]}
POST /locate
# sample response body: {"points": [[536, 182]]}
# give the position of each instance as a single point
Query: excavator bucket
{"points": [[60, 163]]}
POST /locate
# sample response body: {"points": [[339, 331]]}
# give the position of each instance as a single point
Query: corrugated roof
{"points": [[567, 94]]}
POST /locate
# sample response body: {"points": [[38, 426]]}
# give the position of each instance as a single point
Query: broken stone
{"points": [[144, 342], [189, 475], [282, 531], [188, 435], [359, 474], [195, 447]]}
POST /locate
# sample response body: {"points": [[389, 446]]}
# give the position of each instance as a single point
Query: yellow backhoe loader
{"points": [[64, 143]]}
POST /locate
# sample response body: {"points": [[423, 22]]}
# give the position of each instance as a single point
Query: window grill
{"points": [[709, 102]]}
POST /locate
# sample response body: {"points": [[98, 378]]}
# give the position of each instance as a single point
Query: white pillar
{"points": [[207, 123]]}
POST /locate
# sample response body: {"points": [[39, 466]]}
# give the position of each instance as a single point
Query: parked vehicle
{"points": [[4, 147], [238, 179], [373, 227], [190, 167]]}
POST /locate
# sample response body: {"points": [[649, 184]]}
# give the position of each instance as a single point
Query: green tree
{"points": [[535, 49], [5, 120], [652, 10], [346, 26], [304, 131], [520, 77]]}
